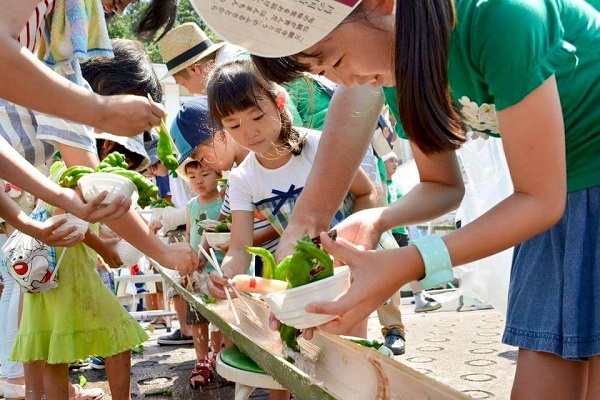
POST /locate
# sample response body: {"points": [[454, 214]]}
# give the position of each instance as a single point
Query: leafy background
{"points": [[121, 26]]}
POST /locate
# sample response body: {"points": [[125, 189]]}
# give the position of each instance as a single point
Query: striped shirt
{"points": [[31, 33], [36, 136]]}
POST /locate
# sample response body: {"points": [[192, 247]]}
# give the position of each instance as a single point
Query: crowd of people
{"points": [[292, 122]]}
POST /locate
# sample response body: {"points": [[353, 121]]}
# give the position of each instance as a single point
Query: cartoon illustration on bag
{"points": [[31, 262]]}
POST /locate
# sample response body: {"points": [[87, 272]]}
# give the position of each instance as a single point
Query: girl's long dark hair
{"points": [[236, 86], [158, 14], [422, 38], [427, 112]]}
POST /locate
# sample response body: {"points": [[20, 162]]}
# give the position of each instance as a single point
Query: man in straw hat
{"points": [[190, 54]]}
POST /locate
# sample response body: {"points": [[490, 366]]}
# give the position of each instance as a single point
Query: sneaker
{"points": [[78, 364], [423, 303], [394, 341], [175, 338], [480, 305], [96, 362]]}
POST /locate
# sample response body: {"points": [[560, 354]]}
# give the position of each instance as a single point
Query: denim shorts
{"points": [[554, 292]]}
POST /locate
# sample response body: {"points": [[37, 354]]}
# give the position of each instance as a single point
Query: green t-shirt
{"points": [[394, 193], [502, 50], [199, 212], [311, 102]]}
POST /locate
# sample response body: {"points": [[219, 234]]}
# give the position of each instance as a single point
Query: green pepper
{"points": [[283, 268], [322, 264], [71, 176], [164, 392], [289, 336], [164, 148], [267, 259], [300, 269], [162, 203]]}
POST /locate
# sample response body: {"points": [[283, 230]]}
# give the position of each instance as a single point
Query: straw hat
{"points": [[185, 45]]}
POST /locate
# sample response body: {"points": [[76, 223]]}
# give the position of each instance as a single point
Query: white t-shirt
{"points": [[273, 192]]}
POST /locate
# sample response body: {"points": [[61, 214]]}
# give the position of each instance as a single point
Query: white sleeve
{"points": [[240, 193]]}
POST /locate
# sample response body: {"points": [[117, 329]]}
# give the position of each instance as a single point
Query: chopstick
{"points": [[215, 264], [237, 293]]}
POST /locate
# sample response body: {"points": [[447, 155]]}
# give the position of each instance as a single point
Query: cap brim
{"points": [[131, 145], [184, 65], [273, 33]]}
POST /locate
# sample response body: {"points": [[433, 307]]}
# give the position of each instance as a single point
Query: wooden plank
{"points": [[329, 367]]}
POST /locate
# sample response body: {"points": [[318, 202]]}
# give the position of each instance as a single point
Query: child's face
{"points": [[357, 52], [256, 129], [203, 181], [215, 154]]}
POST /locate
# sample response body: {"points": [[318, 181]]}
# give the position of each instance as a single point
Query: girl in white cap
{"points": [[524, 70]]}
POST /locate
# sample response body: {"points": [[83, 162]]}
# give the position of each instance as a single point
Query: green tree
{"points": [[121, 26]]}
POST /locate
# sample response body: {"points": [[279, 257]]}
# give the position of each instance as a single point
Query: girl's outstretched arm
{"points": [[343, 144], [105, 247], [533, 138], [237, 259], [12, 214], [364, 191], [133, 228], [18, 171], [28, 82]]}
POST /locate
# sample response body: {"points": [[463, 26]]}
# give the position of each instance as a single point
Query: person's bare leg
{"points": [[181, 310], [279, 395], [34, 386], [56, 381], [118, 371], [360, 330], [547, 376], [593, 388], [200, 333]]}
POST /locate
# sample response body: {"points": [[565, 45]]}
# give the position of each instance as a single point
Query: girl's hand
{"points": [[128, 115], [179, 257], [377, 275], [91, 212], [47, 234], [109, 254], [224, 247], [155, 226], [216, 284]]}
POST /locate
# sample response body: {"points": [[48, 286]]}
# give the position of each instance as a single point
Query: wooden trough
{"points": [[329, 367]]}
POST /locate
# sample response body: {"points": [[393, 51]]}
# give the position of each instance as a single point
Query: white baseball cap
{"points": [[274, 28]]}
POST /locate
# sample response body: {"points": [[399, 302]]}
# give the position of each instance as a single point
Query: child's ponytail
{"points": [[427, 113]]}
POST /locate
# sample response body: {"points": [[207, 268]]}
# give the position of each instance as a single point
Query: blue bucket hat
{"points": [[192, 126]]}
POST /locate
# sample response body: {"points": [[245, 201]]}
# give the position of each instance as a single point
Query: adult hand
{"points": [[48, 235], [128, 115], [360, 230], [291, 235], [217, 284], [376, 275], [179, 257]]}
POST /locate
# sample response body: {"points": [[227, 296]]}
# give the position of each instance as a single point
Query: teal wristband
{"points": [[438, 266]]}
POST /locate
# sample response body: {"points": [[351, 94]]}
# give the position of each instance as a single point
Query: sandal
{"points": [[86, 394], [201, 375]]}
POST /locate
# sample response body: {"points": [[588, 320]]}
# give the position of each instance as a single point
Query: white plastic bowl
{"points": [[288, 306], [217, 238], [95, 183], [129, 254], [72, 221]]}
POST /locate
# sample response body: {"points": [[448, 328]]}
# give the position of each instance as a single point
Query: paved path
{"points": [[461, 349]]}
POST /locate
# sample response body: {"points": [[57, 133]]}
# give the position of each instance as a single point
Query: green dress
{"points": [[80, 318]]}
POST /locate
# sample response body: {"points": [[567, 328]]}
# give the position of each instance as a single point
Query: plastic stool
{"points": [[237, 367]]}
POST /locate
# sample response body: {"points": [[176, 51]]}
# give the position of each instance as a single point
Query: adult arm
{"points": [[533, 138], [28, 82], [349, 126]]}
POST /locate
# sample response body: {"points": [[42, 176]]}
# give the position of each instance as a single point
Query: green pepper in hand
{"points": [[164, 148]]}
